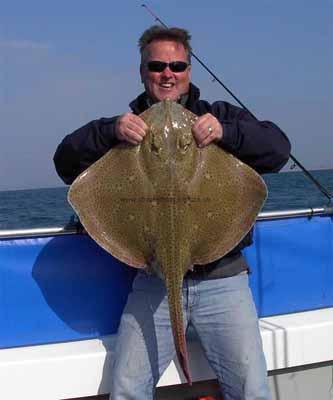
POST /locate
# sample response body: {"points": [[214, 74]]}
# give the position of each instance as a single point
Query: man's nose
{"points": [[167, 72]]}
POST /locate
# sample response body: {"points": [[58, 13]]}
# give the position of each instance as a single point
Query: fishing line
{"points": [[322, 189]]}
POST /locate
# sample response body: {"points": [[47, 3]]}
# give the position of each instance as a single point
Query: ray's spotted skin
{"points": [[167, 204]]}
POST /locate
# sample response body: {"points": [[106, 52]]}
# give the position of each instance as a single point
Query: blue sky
{"points": [[65, 63]]}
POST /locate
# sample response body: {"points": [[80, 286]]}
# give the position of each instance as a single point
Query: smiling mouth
{"points": [[167, 85]]}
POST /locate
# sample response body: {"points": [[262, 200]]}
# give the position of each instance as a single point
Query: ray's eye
{"points": [[156, 143], [184, 142]]}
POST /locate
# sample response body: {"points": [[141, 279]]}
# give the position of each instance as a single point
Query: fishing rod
{"points": [[322, 189]]}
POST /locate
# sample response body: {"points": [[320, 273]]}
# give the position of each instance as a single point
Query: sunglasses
{"points": [[159, 66]]}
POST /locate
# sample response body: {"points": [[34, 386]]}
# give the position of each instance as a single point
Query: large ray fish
{"points": [[167, 204]]}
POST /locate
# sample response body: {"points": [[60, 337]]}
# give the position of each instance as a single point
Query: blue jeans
{"points": [[223, 315]]}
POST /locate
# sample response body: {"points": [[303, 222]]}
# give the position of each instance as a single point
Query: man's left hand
{"points": [[207, 129]]}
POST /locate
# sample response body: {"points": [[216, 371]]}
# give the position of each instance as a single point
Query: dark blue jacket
{"points": [[260, 144]]}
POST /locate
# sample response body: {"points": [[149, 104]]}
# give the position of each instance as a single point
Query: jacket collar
{"points": [[141, 103]]}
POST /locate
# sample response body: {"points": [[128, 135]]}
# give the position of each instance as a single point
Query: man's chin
{"points": [[170, 96], [160, 95]]}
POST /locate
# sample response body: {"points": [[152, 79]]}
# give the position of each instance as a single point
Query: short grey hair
{"points": [[157, 32]]}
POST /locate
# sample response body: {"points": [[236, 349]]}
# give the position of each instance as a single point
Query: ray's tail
{"points": [[174, 290]]}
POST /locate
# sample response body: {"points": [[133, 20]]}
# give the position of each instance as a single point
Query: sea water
{"points": [[37, 208]]}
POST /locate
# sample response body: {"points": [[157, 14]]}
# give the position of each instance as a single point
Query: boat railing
{"points": [[75, 227]]}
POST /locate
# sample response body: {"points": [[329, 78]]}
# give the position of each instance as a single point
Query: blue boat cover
{"points": [[65, 288]]}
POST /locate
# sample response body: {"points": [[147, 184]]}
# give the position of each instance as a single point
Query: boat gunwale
{"points": [[77, 229]]}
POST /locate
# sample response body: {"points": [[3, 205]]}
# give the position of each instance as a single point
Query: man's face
{"points": [[165, 84]]}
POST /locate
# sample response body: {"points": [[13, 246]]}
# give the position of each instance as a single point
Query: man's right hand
{"points": [[130, 128]]}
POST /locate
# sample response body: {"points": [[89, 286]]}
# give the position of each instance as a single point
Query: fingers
{"points": [[207, 129], [130, 128]]}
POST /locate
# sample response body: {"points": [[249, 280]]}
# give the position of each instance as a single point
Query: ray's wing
{"points": [[228, 196], [110, 199]]}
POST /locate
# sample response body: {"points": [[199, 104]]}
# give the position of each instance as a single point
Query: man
{"points": [[217, 300]]}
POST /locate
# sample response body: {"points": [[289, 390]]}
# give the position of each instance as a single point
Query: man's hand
{"points": [[207, 129], [130, 128]]}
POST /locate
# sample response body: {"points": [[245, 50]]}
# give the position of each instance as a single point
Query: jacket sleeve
{"points": [[260, 144], [83, 147]]}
